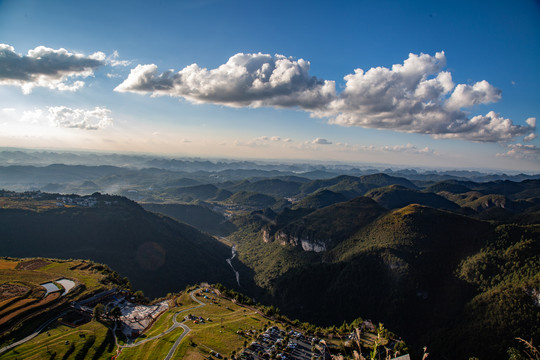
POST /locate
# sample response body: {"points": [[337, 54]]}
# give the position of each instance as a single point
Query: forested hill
{"points": [[156, 253], [437, 277]]}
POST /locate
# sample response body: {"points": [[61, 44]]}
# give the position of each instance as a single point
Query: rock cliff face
{"points": [[266, 236], [316, 246], [305, 241], [323, 229]]}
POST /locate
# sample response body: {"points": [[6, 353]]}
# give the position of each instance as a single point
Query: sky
{"points": [[451, 84]]}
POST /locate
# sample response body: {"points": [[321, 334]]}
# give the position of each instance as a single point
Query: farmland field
{"points": [[24, 304]]}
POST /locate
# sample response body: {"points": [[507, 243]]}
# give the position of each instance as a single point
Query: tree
{"points": [[115, 313], [529, 353], [99, 310], [381, 332]]}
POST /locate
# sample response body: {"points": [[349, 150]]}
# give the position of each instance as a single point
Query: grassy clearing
{"points": [[8, 264], [62, 340], [218, 334], [27, 204], [156, 349], [26, 276], [162, 324]]}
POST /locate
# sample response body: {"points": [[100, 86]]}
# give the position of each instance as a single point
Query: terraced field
{"points": [[24, 304]]}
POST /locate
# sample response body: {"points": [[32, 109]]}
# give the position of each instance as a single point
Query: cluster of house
{"points": [[78, 201], [196, 319]]}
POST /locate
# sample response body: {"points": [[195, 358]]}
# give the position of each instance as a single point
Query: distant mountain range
{"points": [[16, 163]]}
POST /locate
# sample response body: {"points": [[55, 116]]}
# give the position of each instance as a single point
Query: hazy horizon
{"points": [[87, 158], [420, 84]]}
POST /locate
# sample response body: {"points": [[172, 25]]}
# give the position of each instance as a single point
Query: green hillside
{"points": [[396, 196], [329, 225], [403, 260], [492, 206], [320, 199], [451, 186], [408, 269], [315, 185], [506, 274], [157, 253], [198, 216], [197, 192], [353, 186], [272, 187], [252, 199], [511, 189], [180, 182], [452, 265]]}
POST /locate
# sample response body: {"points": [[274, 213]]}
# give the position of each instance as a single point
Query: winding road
{"points": [[175, 325], [185, 327]]}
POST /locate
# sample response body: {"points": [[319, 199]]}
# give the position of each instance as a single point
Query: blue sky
{"points": [[449, 84]]}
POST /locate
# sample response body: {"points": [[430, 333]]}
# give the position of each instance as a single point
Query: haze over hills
{"points": [[31, 170], [430, 254]]}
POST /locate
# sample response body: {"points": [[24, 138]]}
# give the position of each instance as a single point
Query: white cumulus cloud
{"points": [[32, 116], [417, 96], [95, 119], [409, 148], [321, 141], [522, 151], [466, 95], [244, 80], [262, 141], [113, 60], [487, 128], [46, 67]]}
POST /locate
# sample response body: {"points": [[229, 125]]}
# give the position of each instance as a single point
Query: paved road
{"points": [[177, 342], [31, 336], [185, 327]]}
